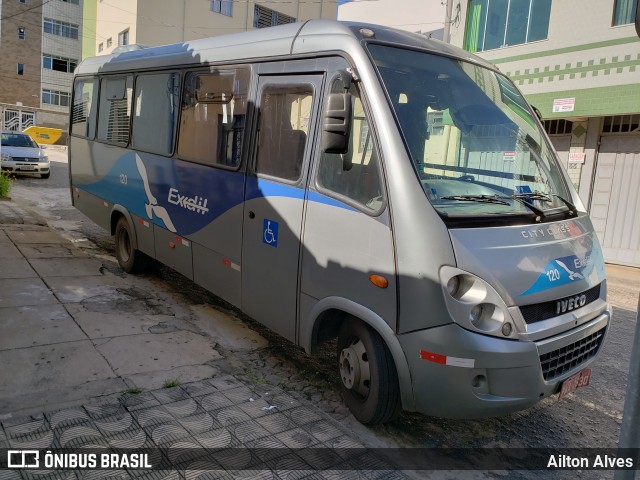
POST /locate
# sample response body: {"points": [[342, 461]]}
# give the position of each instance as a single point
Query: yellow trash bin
{"points": [[44, 135]]}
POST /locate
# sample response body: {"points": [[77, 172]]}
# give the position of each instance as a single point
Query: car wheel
{"points": [[45, 175], [368, 374], [129, 259]]}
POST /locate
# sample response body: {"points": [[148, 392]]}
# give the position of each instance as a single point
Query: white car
{"points": [[19, 154]]}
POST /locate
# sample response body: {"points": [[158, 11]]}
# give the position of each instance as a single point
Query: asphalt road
{"points": [[588, 418]]}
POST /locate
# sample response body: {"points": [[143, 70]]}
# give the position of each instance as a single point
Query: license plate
{"points": [[27, 167], [580, 379]]}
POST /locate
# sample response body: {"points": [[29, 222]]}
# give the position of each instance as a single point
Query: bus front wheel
{"points": [[129, 259], [368, 374]]}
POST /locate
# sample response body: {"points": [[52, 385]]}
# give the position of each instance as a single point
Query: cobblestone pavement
{"points": [[259, 426]]}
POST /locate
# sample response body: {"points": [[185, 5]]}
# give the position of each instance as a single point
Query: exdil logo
{"points": [[197, 204]]}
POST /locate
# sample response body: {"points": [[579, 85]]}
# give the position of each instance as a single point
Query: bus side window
{"points": [[115, 109], [83, 119], [356, 174], [155, 112], [283, 129], [214, 107]]}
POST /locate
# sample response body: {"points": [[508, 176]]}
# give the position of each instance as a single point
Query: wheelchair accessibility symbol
{"points": [[270, 232]]}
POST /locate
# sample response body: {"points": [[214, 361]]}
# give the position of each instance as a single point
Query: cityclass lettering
{"points": [[568, 304], [194, 204], [551, 231]]}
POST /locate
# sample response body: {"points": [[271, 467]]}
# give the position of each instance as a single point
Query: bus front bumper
{"points": [[460, 374]]}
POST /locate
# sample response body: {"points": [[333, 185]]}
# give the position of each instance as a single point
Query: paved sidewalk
{"points": [[92, 347]]}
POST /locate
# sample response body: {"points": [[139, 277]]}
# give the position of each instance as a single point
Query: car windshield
{"points": [[18, 140], [473, 138]]}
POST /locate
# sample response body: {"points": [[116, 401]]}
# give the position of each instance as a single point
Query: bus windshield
{"points": [[479, 151]]}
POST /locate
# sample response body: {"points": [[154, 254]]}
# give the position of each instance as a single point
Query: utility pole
{"points": [[446, 36]]}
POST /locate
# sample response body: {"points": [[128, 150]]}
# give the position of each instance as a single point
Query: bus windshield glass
{"points": [[478, 149]]}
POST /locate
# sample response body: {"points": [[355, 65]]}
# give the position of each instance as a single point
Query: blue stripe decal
{"points": [[319, 198], [566, 270], [260, 188], [184, 197]]}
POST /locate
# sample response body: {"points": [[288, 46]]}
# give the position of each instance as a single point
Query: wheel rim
{"points": [[124, 246], [354, 368]]}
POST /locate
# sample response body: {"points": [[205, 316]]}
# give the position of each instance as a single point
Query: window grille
{"points": [[621, 124], [558, 127], [264, 17]]}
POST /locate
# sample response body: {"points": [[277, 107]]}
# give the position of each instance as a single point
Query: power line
{"points": [[25, 10]]}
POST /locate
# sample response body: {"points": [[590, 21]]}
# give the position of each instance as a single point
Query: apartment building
{"points": [[427, 17], [40, 47], [151, 22], [578, 61]]}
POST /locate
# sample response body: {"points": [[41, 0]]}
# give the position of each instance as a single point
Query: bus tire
{"points": [[368, 374], [129, 259]]}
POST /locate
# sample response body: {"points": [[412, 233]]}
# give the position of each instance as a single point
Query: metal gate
{"points": [[17, 120], [615, 204]]}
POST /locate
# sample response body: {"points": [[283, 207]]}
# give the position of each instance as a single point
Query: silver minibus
{"points": [[353, 182]]}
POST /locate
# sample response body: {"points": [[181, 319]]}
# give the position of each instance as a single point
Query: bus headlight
{"points": [[474, 304]]}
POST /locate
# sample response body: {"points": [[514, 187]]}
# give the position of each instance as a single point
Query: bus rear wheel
{"points": [[129, 259], [368, 374]]}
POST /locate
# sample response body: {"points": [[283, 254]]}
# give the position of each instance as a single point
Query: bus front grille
{"points": [[546, 310], [562, 360]]}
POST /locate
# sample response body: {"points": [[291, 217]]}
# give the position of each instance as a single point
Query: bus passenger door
{"points": [[275, 197]]}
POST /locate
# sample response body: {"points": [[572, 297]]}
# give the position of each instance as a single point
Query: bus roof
{"points": [[310, 37]]}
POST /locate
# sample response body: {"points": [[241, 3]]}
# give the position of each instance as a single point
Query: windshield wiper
{"points": [[477, 198], [501, 200], [533, 196], [523, 197], [573, 210], [547, 198]]}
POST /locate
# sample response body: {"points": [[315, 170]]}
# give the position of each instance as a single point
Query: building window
{"points": [[109, 42], [20, 69], [23, 1], [75, 2], [621, 124], [502, 23], [59, 64], [21, 33], [624, 12], [100, 47], [123, 37], [265, 17], [225, 7], [558, 127], [54, 97], [62, 29]]}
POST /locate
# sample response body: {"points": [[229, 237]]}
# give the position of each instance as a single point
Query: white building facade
{"points": [[578, 62], [153, 22]]}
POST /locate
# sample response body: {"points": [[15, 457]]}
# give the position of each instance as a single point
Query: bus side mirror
{"points": [[336, 123]]}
